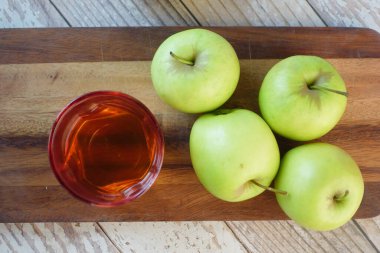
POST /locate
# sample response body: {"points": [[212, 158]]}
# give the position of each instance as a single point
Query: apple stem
{"points": [[340, 198], [317, 87], [190, 63], [269, 188]]}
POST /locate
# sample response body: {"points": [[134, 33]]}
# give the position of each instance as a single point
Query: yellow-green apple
{"points": [[302, 97], [234, 153], [324, 186], [195, 70]]}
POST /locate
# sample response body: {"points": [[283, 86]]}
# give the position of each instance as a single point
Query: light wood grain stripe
{"points": [[281, 236], [29, 13], [62, 7], [349, 13], [133, 15], [21, 84], [257, 12], [371, 227], [28, 112], [172, 237], [166, 10], [184, 12], [124, 13], [54, 237]]}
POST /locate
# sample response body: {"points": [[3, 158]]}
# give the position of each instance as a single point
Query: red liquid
{"points": [[108, 148]]}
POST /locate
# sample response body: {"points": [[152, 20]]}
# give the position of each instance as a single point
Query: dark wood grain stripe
{"points": [[130, 44], [53, 199]]}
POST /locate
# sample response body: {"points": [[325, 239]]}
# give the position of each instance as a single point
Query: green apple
{"points": [[323, 183], [302, 97], [234, 153], [195, 70]]}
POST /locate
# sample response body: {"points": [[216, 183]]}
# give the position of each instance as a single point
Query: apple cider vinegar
{"points": [[108, 146], [110, 149]]}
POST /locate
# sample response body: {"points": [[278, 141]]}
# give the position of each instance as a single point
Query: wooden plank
{"points": [[256, 13], [190, 202], [172, 237], [371, 227], [32, 94], [123, 13], [54, 237], [349, 13], [286, 236], [29, 13], [131, 44]]}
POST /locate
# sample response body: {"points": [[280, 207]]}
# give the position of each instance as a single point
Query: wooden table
{"points": [[206, 236]]}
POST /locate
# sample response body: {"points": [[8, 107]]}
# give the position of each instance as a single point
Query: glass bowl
{"points": [[106, 148]]}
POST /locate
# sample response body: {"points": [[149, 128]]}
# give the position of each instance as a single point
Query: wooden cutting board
{"points": [[41, 70]]}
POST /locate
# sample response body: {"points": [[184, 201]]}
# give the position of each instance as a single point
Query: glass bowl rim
{"points": [[158, 159]]}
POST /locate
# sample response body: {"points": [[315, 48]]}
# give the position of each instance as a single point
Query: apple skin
{"points": [[228, 148], [293, 110], [204, 86], [313, 174]]}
